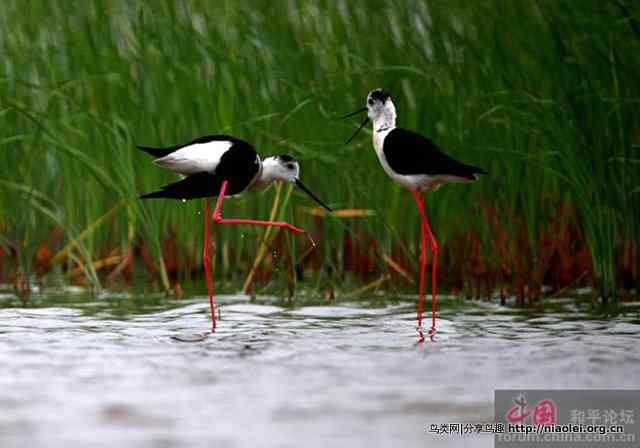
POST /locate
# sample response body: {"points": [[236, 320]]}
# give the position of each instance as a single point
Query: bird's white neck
{"points": [[269, 170], [276, 168], [386, 120], [267, 174]]}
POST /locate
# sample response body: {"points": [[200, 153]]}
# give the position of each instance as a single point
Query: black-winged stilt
{"points": [[221, 165], [417, 164]]}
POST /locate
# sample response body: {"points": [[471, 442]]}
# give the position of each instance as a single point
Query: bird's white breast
{"points": [[378, 145], [195, 158]]}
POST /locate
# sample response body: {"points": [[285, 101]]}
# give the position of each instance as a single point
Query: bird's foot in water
{"points": [[431, 333], [420, 333]]}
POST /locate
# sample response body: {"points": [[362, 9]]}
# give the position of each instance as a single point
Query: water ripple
{"points": [[93, 371]]}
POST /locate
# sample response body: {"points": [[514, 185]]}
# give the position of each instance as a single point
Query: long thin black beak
{"points": [[301, 186], [364, 123], [353, 113]]}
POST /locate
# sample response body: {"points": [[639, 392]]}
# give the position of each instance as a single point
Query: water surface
{"points": [[102, 373]]}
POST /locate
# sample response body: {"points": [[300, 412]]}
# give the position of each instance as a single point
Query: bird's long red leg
{"points": [[206, 262], [434, 263], [217, 218], [434, 275], [423, 262]]}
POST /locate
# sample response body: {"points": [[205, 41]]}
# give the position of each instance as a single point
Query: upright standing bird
{"points": [[221, 165], [418, 165]]}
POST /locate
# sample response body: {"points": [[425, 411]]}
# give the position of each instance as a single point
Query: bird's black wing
{"points": [[239, 165], [408, 153], [161, 152]]}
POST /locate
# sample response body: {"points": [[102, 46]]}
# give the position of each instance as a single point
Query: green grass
{"points": [[543, 94]]}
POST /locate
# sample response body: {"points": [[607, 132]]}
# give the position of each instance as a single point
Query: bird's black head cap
{"points": [[286, 158], [379, 95]]}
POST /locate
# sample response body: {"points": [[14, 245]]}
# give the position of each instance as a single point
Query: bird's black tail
{"points": [[470, 172], [156, 152]]}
